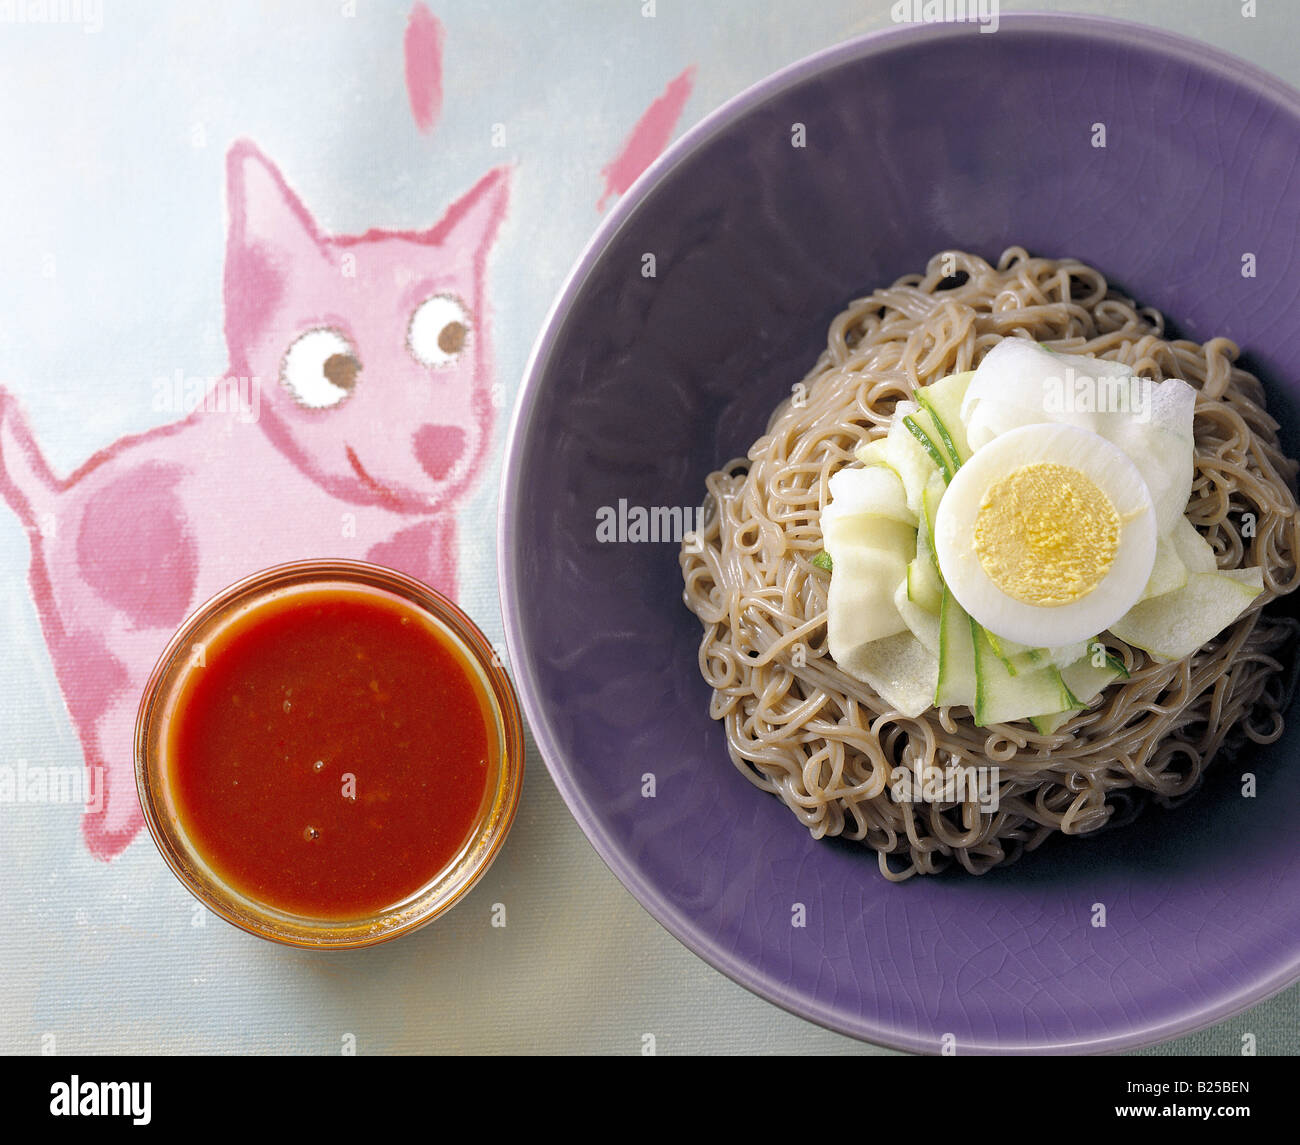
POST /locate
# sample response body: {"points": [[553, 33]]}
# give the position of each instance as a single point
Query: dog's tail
{"points": [[25, 480]]}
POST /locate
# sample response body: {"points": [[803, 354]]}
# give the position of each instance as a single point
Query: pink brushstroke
{"points": [[648, 138], [423, 49]]}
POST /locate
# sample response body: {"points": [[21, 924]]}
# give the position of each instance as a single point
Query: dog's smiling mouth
{"points": [[370, 482], [438, 449]]}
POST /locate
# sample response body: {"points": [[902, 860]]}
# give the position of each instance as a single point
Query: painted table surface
{"points": [[176, 180]]}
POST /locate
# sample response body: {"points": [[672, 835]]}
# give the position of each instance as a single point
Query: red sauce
{"points": [[332, 755]]}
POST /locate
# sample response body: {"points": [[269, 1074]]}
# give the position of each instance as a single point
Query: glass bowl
{"points": [[154, 766]]}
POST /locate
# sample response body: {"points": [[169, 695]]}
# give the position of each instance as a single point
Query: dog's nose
{"points": [[438, 448]]}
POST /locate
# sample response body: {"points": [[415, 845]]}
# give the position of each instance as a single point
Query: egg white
{"points": [[1119, 479]]}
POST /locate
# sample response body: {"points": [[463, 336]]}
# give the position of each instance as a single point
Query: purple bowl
{"points": [[918, 139]]}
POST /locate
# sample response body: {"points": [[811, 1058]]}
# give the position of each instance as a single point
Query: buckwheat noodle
{"points": [[824, 742]]}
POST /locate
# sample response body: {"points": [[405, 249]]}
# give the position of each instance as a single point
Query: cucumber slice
{"points": [[1193, 549], [1085, 681], [1022, 658], [1252, 577], [870, 560], [956, 684], [1046, 725], [863, 494], [1168, 572], [1176, 624], [931, 495], [1001, 697], [1026, 659], [924, 585], [872, 452], [923, 624], [952, 453], [882, 533], [905, 454], [928, 436], [943, 401], [899, 668]]}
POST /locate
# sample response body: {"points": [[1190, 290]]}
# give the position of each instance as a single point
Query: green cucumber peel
{"points": [[944, 435], [936, 454], [981, 684], [1000, 654], [1112, 661], [1071, 700]]}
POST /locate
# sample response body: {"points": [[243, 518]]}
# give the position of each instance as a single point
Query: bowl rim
{"points": [[1096, 29]]}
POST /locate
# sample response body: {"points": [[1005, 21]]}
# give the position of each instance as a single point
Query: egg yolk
{"points": [[1046, 534]]}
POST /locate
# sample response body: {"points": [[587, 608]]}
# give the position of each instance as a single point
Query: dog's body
{"points": [[368, 358]]}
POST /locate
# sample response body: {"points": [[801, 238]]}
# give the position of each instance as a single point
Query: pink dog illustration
{"points": [[355, 413]]}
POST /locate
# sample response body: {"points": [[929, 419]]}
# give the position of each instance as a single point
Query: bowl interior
{"points": [[705, 296]]}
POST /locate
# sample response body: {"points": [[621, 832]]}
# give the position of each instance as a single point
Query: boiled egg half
{"points": [[1047, 534]]}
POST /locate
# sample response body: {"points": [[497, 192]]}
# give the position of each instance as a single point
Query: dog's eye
{"points": [[320, 369], [439, 330]]}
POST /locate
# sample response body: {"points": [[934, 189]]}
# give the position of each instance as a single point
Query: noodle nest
{"points": [[824, 742]]}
